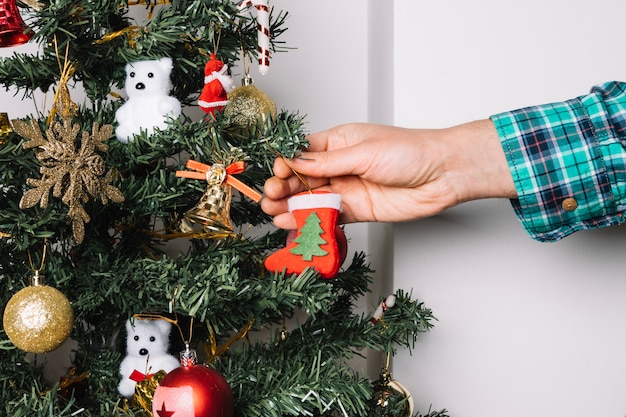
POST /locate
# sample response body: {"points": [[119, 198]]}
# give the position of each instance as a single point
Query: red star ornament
{"points": [[163, 412]]}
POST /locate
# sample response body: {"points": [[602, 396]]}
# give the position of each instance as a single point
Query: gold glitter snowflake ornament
{"points": [[71, 168]]}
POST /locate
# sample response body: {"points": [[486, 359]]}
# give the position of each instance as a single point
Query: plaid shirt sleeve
{"points": [[568, 161]]}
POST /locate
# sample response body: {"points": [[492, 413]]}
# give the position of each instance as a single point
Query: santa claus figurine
{"points": [[217, 85]]}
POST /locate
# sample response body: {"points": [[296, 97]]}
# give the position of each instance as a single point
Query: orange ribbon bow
{"points": [[234, 168]]}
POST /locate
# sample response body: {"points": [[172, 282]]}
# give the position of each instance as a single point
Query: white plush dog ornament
{"points": [[147, 342], [149, 104]]}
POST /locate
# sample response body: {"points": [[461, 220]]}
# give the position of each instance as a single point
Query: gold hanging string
{"points": [[62, 102], [216, 42], [36, 279], [213, 351], [169, 320], [245, 59], [298, 175], [43, 258]]}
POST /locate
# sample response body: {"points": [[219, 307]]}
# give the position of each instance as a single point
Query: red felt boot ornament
{"points": [[217, 85], [315, 245]]}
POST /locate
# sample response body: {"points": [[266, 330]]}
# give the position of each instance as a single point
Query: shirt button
{"points": [[569, 204]]}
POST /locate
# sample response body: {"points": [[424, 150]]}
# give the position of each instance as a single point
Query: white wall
{"points": [[525, 328], [13, 103]]}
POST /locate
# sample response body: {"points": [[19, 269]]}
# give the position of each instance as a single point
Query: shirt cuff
{"points": [[566, 159]]}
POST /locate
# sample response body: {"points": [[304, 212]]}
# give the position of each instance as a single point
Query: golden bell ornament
{"points": [[13, 30], [38, 318], [5, 129], [213, 209], [248, 105]]}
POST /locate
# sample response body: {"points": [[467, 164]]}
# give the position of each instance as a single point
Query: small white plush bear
{"points": [[146, 353], [149, 104]]}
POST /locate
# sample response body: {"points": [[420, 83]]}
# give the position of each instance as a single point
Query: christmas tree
{"points": [[162, 222]]}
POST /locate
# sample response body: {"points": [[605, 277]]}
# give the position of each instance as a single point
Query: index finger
{"points": [[338, 137]]}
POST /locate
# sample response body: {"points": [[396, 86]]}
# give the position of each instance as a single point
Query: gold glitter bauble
{"points": [[248, 105], [38, 319]]}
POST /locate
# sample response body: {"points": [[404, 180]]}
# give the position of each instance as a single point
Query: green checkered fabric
{"points": [[569, 150]]}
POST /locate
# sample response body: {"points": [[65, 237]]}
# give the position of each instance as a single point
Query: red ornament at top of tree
{"points": [[217, 85], [13, 31], [192, 390]]}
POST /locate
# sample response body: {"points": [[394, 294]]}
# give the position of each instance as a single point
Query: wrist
{"points": [[478, 168]]}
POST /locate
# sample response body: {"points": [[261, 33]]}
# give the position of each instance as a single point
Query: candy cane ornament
{"points": [[263, 24]]}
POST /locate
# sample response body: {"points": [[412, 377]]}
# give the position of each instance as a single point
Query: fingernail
{"points": [[303, 158]]}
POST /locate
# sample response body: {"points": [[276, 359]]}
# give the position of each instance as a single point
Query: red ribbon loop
{"points": [[138, 376]]}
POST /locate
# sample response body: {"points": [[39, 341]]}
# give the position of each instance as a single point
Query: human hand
{"points": [[392, 174]]}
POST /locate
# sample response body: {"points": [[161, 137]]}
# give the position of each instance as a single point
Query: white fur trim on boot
{"points": [[308, 201]]}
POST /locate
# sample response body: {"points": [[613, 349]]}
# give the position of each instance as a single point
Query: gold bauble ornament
{"points": [[391, 398], [38, 318], [248, 106]]}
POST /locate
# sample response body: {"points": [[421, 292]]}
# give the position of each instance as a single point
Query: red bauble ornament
{"points": [[193, 391]]}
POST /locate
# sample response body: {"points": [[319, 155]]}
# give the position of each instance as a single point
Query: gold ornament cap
{"points": [[38, 318]]}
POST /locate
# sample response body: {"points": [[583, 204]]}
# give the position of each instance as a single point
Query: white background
{"points": [[524, 328]]}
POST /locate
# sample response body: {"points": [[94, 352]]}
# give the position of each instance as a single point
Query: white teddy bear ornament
{"points": [[146, 353], [149, 104]]}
